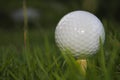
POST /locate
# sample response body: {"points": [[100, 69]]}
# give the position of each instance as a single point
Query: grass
{"points": [[44, 61]]}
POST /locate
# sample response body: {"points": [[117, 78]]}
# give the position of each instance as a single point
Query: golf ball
{"points": [[18, 15], [80, 33]]}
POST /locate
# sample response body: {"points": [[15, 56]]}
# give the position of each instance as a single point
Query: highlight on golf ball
{"points": [[80, 33]]}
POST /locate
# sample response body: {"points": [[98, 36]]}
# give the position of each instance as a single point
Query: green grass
{"points": [[44, 61]]}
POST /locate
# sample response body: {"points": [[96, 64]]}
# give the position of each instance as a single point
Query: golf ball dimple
{"points": [[79, 32]]}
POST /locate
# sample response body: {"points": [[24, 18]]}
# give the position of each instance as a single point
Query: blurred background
{"points": [[43, 16]]}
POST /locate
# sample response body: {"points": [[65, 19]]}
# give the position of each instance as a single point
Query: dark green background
{"points": [[51, 11]]}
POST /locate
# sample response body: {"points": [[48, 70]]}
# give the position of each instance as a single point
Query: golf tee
{"points": [[83, 65]]}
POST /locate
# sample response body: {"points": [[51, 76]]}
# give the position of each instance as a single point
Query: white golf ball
{"points": [[18, 15], [80, 33]]}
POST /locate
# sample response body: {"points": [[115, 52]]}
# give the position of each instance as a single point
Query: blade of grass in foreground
{"points": [[72, 68], [41, 66], [103, 62]]}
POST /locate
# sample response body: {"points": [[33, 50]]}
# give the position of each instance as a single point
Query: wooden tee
{"points": [[83, 65]]}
